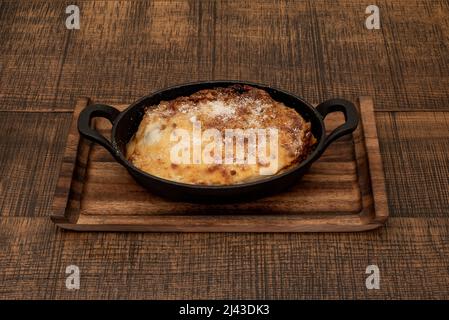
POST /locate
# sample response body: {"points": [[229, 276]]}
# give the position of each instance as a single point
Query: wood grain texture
{"points": [[335, 195], [415, 153], [33, 41], [411, 253], [73, 166], [30, 148], [316, 49], [135, 47], [404, 65]]}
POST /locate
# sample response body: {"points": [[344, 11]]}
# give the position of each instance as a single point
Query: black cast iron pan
{"points": [[125, 124]]}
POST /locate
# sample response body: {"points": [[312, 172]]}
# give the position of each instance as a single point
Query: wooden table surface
{"points": [[316, 49]]}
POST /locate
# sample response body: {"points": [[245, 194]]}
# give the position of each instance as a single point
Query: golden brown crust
{"points": [[235, 107]]}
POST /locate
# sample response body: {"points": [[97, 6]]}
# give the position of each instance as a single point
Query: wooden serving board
{"points": [[343, 191]]}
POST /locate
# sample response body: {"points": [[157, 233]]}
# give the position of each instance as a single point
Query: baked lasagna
{"points": [[220, 136]]}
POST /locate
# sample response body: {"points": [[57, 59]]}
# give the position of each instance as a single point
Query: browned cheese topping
{"points": [[165, 146]]}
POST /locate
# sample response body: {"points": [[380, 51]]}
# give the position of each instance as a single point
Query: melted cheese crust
{"points": [[235, 107]]}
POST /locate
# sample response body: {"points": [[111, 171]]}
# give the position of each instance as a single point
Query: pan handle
{"points": [[85, 129], [350, 113]]}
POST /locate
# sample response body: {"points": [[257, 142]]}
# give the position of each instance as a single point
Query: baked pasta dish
{"points": [[220, 136]]}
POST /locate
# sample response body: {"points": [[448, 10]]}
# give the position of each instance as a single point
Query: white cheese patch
{"points": [[152, 134], [219, 108]]}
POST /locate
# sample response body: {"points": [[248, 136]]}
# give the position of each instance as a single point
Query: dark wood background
{"points": [[316, 49]]}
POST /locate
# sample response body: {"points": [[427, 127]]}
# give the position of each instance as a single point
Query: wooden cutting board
{"points": [[343, 191]]}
